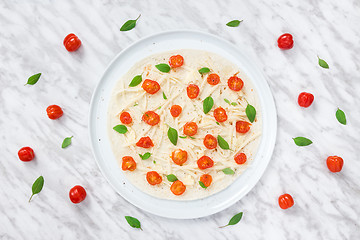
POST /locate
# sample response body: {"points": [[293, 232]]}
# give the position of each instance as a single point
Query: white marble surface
{"points": [[326, 204]]}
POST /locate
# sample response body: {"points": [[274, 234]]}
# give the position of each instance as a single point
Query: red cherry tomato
{"points": [[153, 178], [205, 162], [286, 201], [128, 164], [175, 110], [220, 114], [177, 187], [190, 129], [151, 118], [213, 79], [240, 158], [145, 142], [72, 42], [285, 41], [54, 112], [334, 163], [210, 141], [235, 83], [125, 118], [242, 126], [179, 156], [150, 86], [77, 194], [192, 91], [305, 99], [206, 179], [26, 154], [176, 61]]}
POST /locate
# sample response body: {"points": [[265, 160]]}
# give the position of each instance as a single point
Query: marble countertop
{"points": [[326, 204]]}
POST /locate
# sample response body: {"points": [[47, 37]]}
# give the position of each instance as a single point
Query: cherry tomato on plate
{"points": [[240, 158], [145, 142], [177, 187], [26, 154], [175, 110], [176, 61], [192, 91], [190, 128], [153, 178], [150, 86], [206, 179], [242, 126], [205, 162], [151, 118], [213, 79], [54, 112], [305, 99], [285, 41], [220, 114], [72, 42], [128, 164], [210, 141], [179, 156], [125, 118], [286, 201], [334, 163], [77, 194], [235, 83]]}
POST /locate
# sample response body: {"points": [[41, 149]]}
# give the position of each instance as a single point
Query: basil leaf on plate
{"points": [[208, 104], [135, 81], [223, 143], [163, 67], [120, 129], [250, 112]]}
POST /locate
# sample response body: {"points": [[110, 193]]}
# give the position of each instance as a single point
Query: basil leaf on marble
{"points": [[172, 135], [163, 67], [145, 156], [302, 141], [37, 186], [340, 116], [128, 25], [33, 79], [322, 63], [223, 143], [234, 23], [171, 178], [208, 104], [133, 222], [135, 81], [250, 112], [66, 142], [120, 129], [234, 220], [228, 171], [204, 70]]}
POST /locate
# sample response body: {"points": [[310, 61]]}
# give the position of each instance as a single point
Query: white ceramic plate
{"points": [[101, 146]]}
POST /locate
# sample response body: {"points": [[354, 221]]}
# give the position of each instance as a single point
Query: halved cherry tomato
{"points": [[213, 79], [179, 156], [26, 154], [153, 178], [177, 187], [176, 61], [240, 158], [151, 118], [235, 83], [205, 162], [286, 201], [210, 141], [77, 194], [128, 163], [150, 86], [72, 42], [175, 110], [206, 179], [220, 114], [125, 118], [242, 126], [192, 91], [190, 128], [285, 41], [305, 99], [334, 163], [54, 112], [145, 142]]}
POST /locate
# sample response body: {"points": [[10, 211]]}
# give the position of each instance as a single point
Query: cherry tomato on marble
{"points": [[26, 154], [205, 162], [153, 178], [77, 194], [177, 187], [128, 164], [210, 141], [150, 86], [192, 91], [54, 112], [145, 142], [334, 163], [151, 118], [175, 110], [206, 179], [220, 114], [125, 118], [285, 41], [242, 126], [179, 156], [176, 61], [72, 42], [240, 158], [213, 79], [235, 83], [286, 201], [190, 128], [305, 99]]}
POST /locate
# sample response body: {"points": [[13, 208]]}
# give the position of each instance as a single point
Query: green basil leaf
{"points": [[217, 123], [182, 136], [171, 178], [322, 63], [202, 185], [164, 96], [228, 171], [135, 81], [191, 137], [66, 142], [234, 104], [340, 116], [234, 220], [163, 67], [120, 129], [37, 186], [136, 104], [222, 143], [172, 135], [154, 162], [133, 222], [145, 156], [227, 101], [234, 23], [301, 141], [208, 104], [204, 70], [250, 112], [128, 25], [33, 79]]}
